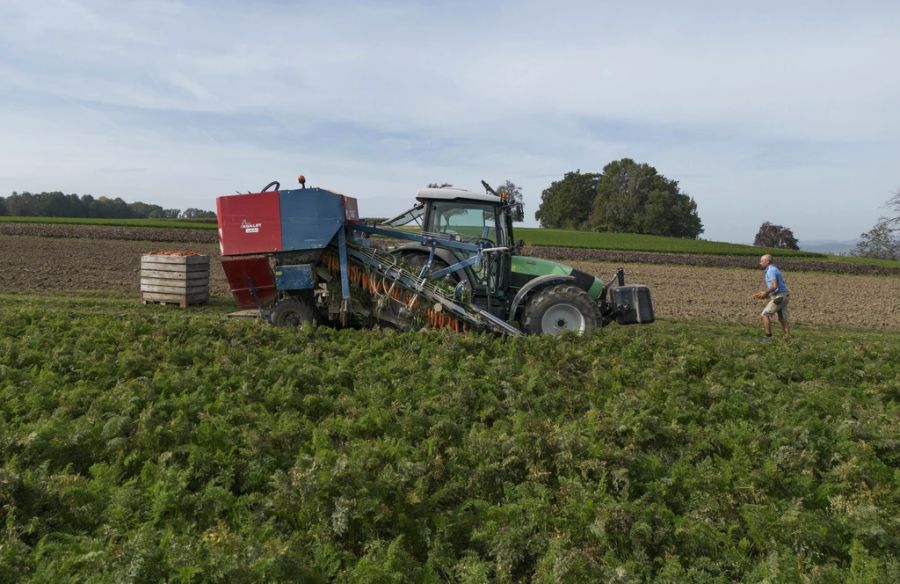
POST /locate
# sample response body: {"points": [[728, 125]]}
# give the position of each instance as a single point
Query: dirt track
{"points": [[29, 263]]}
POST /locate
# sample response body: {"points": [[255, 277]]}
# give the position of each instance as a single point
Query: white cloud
{"points": [[790, 101]]}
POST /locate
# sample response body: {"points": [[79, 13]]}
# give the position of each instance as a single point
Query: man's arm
{"points": [[765, 293]]}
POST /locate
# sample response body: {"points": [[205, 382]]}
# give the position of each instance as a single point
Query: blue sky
{"points": [[780, 111]]}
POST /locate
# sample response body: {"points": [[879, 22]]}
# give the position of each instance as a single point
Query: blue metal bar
{"points": [[427, 265], [432, 242], [345, 272], [469, 261], [425, 239]]}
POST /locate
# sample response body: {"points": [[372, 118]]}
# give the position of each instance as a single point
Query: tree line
{"points": [[57, 204], [625, 197]]}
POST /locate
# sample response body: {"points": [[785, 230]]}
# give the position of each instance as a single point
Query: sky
{"points": [[786, 112]]}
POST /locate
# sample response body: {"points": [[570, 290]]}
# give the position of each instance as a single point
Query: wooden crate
{"points": [[174, 279]]}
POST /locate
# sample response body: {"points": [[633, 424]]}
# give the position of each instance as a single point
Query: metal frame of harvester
{"points": [[303, 255]]}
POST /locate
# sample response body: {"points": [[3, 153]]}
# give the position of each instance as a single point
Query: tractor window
{"points": [[467, 220]]}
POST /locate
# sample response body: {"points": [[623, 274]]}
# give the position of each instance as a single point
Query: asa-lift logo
{"points": [[250, 227]]}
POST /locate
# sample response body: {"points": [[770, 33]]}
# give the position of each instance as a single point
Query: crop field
{"points": [[140, 444], [147, 444]]}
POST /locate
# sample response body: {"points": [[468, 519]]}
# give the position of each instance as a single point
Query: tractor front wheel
{"points": [[560, 308], [292, 312]]}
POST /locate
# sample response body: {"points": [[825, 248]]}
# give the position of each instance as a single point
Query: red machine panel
{"points": [[249, 223], [251, 280], [351, 209]]}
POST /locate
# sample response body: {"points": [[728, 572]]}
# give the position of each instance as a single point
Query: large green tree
{"points": [[771, 235], [635, 198], [567, 203], [625, 197]]}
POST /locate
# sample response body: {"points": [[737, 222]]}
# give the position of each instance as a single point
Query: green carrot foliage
{"points": [[139, 444]]}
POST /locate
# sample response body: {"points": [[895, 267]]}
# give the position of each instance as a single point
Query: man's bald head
{"points": [[765, 260]]}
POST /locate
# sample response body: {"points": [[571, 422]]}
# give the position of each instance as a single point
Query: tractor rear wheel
{"points": [[292, 312], [560, 308]]}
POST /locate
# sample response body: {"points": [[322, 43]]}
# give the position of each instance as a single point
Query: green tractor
{"points": [[537, 296]]}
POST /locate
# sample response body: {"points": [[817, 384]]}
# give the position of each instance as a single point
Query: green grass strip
{"points": [[650, 243]]}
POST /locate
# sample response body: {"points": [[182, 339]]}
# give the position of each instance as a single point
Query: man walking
{"points": [[778, 294]]}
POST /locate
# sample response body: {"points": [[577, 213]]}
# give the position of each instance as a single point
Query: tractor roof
{"points": [[451, 193]]}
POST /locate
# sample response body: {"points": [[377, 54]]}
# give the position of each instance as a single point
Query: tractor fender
{"points": [[534, 284], [444, 255]]}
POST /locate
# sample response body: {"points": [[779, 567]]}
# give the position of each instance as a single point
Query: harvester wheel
{"points": [[292, 312], [560, 308]]}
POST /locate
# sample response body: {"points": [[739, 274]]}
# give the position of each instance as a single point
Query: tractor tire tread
{"points": [[285, 308], [547, 297]]}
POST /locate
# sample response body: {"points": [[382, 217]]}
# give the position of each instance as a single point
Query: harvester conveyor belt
{"points": [[389, 267]]}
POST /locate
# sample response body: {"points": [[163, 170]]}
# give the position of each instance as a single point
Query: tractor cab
{"points": [[462, 215], [465, 216]]}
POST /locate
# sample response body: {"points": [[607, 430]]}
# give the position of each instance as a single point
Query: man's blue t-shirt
{"points": [[773, 274]]}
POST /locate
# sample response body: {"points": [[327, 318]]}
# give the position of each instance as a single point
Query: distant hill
{"points": [[828, 245]]}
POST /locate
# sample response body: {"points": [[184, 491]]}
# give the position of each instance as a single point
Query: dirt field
{"points": [[29, 263], [725, 294], [563, 254]]}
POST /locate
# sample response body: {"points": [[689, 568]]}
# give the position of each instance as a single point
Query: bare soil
{"points": [[49, 264], [65, 264], [109, 232], [695, 292]]}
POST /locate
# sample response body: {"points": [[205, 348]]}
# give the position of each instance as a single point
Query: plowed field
{"points": [[725, 294], [51, 264], [33, 264]]}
